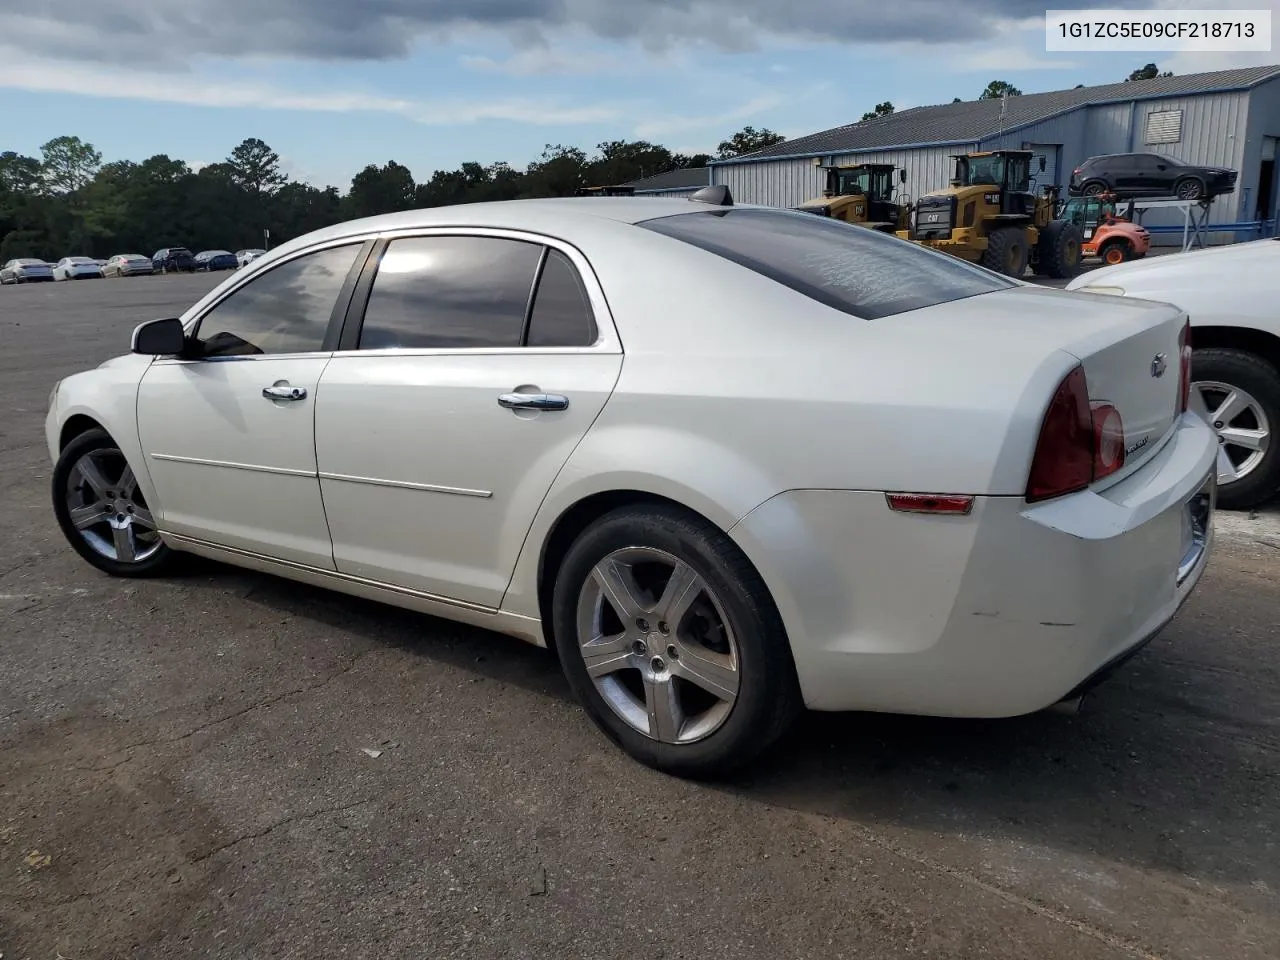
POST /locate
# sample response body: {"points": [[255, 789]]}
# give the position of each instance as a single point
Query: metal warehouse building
{"points": [[1228, 118], [673, 183]]}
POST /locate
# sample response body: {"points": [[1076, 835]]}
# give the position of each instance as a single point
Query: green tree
{"points": [[881, 110], [999, 88], [747, 140], [688, 161], [384, 189], [559, 172], [67, 164], [1148, 72], [256, 167]]}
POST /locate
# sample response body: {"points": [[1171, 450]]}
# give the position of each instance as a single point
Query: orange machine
{"points": [[1107, 235]]}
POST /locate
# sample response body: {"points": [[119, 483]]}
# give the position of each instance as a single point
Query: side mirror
{"points": [[159, 338]]}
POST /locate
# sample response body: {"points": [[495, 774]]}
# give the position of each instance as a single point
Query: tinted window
{"points": [[858, 271], [561, 310], [285, 310], [433, 292]]}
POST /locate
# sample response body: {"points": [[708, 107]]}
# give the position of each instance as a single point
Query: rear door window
{"points": [[858, 271]]}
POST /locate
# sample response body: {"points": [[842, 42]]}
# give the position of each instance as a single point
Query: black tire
{"points": [[1058, 251], [1192, 188], [1007, 251], [768, 697], [1115, 251], [1093, 188], [1261, 380], [162, 561]]}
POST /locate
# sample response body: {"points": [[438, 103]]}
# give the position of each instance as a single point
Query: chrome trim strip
{"points": [[257, 468], [406, 485], [331, 574]]}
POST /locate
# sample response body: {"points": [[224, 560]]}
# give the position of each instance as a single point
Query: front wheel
{"points": [[669, 639], [1191, 189], [1007, 251], [102, 512], [1115, 251]]}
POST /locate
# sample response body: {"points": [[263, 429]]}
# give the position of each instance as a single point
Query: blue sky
{"points": [[433, 83]]}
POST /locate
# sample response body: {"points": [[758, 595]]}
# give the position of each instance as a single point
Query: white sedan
{"points": [[728, 461], [77, 268], [1230, 293]]}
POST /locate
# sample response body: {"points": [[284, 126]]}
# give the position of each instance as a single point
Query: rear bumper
{"points": [[999, 613]]}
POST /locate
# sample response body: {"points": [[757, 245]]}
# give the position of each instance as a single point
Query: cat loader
{"points": [[861, 194], [990, 215]]}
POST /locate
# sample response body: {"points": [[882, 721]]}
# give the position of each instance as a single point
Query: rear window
{"points": [[853, 269]]}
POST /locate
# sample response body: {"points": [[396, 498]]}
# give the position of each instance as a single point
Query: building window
{"points": [[1164, 126]]}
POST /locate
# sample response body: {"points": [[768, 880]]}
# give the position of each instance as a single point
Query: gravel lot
{"points": [[182, 772]]}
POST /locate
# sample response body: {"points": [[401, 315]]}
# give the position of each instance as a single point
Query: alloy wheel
{"points": [[657, 645], [1244, 432], [108, 510]]}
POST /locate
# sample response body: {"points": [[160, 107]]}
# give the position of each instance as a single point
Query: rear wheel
{"points": [[1115, 251], [1093, 188], [102, 512], [1241, 394], [671, 642], [1007, 251]]}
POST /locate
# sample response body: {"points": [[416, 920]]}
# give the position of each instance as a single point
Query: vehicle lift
{"points": [[1195, 216]]}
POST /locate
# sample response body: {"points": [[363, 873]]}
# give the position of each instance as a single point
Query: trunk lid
{"points": [[1130, 349]]}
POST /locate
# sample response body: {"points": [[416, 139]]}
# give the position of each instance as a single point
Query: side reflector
{"points": [[929, 503]]}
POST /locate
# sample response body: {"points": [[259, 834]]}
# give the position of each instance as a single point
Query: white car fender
{"points": [[108, 396]]}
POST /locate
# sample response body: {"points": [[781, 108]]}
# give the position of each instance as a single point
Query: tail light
{"points": [[1184, 367], [1079, 442]]}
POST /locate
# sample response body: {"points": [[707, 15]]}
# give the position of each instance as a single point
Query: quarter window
{"points": [[285, 310], [450, 292], [561, 315]]}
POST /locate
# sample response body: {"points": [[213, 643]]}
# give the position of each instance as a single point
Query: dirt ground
{"points": [[230, 765]]}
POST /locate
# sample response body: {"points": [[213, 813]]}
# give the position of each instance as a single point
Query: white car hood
{"points": [[1181, 270]]}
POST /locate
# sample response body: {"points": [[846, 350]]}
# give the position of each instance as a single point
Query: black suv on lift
{"points": [[173, 260], [1149, 175]]}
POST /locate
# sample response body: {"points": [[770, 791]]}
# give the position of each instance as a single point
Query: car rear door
{"points": [[477, 364], [229, 437]]}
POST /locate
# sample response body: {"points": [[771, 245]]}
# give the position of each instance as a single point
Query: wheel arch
{"points": [[1261, 343], [74, 426]]}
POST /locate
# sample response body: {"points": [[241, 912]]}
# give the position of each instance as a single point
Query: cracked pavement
{"points": [[183, 772]]}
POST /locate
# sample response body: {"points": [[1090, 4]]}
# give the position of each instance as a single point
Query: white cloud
{"points": [[749, 111], [119, 83]]}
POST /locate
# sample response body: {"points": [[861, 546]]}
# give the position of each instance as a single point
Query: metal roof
{"points": [[973, 120], [684, 179]]}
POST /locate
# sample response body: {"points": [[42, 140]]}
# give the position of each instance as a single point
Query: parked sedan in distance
{"points": [[1230, 292], [128, 265], [26, 270], [76, 268], [815, 466], [246, 257], [1149, 175], [173, 260], [211, 260]]}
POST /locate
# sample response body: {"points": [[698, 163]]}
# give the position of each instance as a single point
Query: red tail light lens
{"points": [[1184, 367], [1078, 443], [1108, 440]]}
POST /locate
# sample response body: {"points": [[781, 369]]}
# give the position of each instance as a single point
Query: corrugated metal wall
{"points": [[788, 183], [1263, 120], [1214, 130]]}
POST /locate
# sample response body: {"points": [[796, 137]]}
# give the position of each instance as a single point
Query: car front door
{"points": [[229, 433], [478, 363]]}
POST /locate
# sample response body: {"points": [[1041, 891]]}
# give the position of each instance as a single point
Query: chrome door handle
{"points": [[282, 391], [533, 401]]}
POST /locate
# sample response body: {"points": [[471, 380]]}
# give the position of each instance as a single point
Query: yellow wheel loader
{"points": [[861, 194], [991, 216]]}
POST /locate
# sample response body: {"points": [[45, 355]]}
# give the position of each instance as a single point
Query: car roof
{"points": [[552, 216]]}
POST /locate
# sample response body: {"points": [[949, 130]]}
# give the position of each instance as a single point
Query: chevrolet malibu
{"points": [[728, 462]]}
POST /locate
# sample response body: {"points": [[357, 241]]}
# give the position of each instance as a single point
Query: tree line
{"points": [[67, 202]]}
